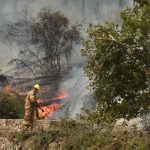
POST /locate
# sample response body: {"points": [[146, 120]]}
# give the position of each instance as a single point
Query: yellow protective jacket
{"points": [[30, 106], [30, 100]]}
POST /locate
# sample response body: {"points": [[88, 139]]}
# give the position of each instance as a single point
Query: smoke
{"points": [[78, 94], [83, 11]]}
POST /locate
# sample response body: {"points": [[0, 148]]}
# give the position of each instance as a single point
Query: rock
{"points": [[132, 124]]}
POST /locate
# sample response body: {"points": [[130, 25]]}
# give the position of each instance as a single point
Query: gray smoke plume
{"points": [[83, 11]]}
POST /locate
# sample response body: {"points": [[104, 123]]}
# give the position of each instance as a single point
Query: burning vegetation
{"points": [[52, 105], [118, 69], [49, 106], [12, 91], [46, 56]]}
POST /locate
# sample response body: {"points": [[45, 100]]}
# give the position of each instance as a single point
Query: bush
{"points": [[10, 108], [73, 135]]}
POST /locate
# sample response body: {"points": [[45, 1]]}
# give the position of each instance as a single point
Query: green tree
{"points": [[118, 64], [142, 2]]}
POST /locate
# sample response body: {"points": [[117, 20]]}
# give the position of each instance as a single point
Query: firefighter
{"points": [[30, 106]]}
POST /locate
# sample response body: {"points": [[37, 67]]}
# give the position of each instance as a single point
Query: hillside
{"points": [[70, 135]]}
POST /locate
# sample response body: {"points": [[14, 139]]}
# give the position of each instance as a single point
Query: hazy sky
{"points": [[94, 10]]}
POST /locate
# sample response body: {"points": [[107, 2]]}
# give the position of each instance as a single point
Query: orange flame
{"points": [[51, 109], [61, 94], [10, 90], [48, 110]]}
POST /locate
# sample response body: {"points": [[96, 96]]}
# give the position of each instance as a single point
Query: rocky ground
{"points": [[71, 135]]}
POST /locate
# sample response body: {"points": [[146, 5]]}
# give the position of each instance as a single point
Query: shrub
{"points": [[10, 108]]}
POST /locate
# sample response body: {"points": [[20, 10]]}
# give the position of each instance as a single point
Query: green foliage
{"points": [[142, 2], [118, 61], [71, 135], [10, 108], [38, 140], [21, 136]]}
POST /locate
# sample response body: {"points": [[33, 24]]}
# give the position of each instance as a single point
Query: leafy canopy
{"points": [[118, 60]]}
